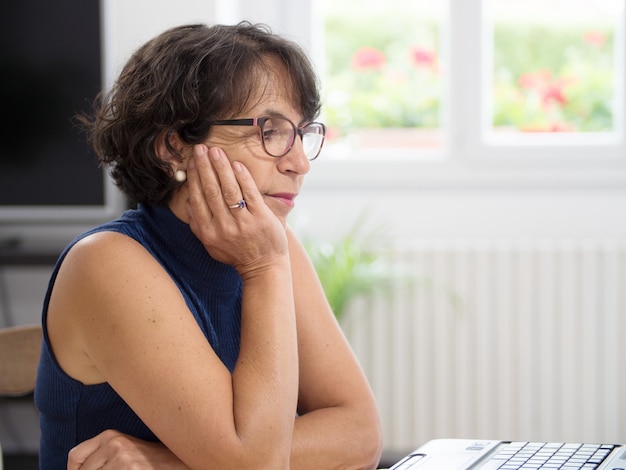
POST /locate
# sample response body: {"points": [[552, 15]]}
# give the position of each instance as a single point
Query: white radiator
{"points": [[504, 339]]}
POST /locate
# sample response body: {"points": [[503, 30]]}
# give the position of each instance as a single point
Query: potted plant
{"points": [[349, 267]]}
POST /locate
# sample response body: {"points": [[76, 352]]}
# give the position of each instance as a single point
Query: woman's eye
{"points": [[269, 134]]}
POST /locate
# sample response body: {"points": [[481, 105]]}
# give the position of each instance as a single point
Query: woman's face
{"points": [[279, 179]]}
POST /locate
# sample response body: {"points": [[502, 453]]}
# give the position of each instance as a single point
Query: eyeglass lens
{"points": [[279, 135], [312, 140]]}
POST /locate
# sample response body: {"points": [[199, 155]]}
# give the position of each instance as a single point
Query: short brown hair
{"points": [[181, 81]]}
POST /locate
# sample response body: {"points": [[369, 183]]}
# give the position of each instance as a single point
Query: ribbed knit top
{"points": [[71, 412]]}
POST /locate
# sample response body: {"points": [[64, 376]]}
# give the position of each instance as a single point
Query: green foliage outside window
{"points": [[556, 80], [386, 72], [382, 76]]}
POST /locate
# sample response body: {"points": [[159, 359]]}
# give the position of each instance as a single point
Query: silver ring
{"points": [[240, 205]]}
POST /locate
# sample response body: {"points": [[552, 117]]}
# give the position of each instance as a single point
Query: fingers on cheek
{"points": [[203, 172], [195, 198], [202, 189], [206, 182], [246, 182]]}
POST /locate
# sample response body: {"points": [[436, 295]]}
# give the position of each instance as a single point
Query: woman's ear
{"points": [[169, 147]]}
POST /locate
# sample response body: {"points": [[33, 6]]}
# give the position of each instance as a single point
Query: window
{"points": [[383, 74], [553, 68]]}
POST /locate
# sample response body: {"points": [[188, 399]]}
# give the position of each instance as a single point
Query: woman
{"points": [[193, 332]]}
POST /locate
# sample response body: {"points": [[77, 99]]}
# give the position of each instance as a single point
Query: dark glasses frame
{"points": [[297, 130]]}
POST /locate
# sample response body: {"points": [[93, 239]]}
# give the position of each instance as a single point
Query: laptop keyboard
{"points": [[541, 455]]}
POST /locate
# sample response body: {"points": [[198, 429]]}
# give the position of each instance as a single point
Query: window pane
{"points": [[555, 66], [383, 72]]}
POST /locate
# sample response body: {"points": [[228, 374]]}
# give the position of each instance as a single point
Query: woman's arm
{"points": [[338, 425]]}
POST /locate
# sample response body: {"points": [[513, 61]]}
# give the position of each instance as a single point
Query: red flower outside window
{"points": [[368, 58]]}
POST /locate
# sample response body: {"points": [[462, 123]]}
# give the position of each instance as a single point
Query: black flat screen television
{"points": [[51, 68]]}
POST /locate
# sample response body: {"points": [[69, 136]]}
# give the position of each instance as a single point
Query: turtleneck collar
{"points": [[177, 241]]}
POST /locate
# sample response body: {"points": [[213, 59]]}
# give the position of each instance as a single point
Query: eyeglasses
{"points": [[278, 134]]}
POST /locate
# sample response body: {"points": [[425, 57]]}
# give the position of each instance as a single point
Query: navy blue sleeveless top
{"points": [[71, 412]]}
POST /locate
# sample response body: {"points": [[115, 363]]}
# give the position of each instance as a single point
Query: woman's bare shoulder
{"points": [[106, 278], [113, 267], [104, 243], [101, 254]]}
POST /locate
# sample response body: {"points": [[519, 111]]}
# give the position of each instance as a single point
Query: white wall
{"points": [[127, 25], [475, 213]]}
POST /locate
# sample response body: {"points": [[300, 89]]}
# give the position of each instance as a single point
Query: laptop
{"points": [[465, 454]]}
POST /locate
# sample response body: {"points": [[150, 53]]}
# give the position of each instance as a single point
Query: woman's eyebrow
{"points": [[273, 112]]}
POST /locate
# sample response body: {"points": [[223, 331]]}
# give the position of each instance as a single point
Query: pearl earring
{"points": [[180, 176]]}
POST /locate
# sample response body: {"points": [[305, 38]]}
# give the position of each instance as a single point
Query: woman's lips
{"points": [[288, 199]]}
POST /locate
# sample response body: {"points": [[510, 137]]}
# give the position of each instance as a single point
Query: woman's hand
{"points": [[251, 237], [114, 450]]}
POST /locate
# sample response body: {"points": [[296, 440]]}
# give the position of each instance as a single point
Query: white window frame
{"points": [[466, 160]]}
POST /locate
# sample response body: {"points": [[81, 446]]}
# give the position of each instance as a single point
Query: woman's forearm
{"points": [[265, 379], [336, 438], [328, 438]]}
